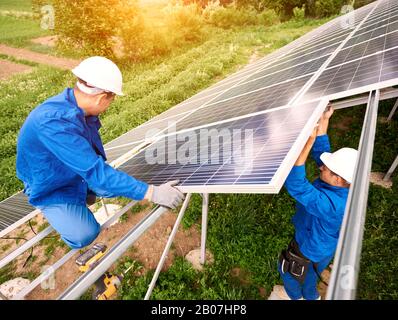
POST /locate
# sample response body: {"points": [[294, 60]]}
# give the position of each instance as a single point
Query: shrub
{"points": [[269, 17], [299, 13], [326, 8], [232, 15], [92, 25], [184, 21]]}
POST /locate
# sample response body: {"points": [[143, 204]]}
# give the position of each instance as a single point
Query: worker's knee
{"points": [[83, 238]]}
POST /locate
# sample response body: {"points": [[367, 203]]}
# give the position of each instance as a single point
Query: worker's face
{"points": [[330, 177], [102, 102]]}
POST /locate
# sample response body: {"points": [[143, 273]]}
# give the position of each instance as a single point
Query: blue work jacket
{"points": [[319, 208], [60, 156]]}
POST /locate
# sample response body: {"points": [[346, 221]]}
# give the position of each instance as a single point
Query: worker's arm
{"points": [[315, 202], [65, 140], [306, 150], [322, 143]]}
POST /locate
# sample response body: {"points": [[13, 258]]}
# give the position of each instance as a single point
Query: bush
{"points": [[326, 8], [184, 21], [299, 13], [269, 17], [92, 25], [232, 15]]}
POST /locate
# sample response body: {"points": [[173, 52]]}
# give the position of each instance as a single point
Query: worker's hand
{"points": [[323, 123], [328, 112], [166, 195]]}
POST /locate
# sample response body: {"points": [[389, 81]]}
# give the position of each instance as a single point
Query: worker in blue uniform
{"points": [[61, 159], [319, 213]]}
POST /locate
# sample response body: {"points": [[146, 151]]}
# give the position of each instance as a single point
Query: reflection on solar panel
{"points": [[244, 156], [349, 55]]}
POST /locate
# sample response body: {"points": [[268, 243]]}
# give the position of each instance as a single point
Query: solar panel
{"points": [[14, 209], [222, 165]]}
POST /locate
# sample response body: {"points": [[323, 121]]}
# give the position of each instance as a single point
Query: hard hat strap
{"points": [[88, 90]]}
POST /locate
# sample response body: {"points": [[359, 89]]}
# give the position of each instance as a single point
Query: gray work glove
{"points": [[165, 194]]}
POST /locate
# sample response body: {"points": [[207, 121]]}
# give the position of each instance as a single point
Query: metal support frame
{"points": [[167, 247], [105, 208], [87, 279], [344, 277], [394, 108], [51, 271], [27, 245], [388, 93], [205, 210], [391, 170]]}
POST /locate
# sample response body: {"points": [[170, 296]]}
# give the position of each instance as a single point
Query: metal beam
{"points": [[391, 170], [27, 245], [87, 279], [167, 247], [385, 94], [205, 210], [343, 281], [394, 108]]}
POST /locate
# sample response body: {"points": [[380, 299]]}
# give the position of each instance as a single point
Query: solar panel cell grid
{"points": [[269, 151]]}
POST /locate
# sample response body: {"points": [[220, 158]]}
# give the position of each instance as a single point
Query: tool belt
{"points": [[293, 261]]}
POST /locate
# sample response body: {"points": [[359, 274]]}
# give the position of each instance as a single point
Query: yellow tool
{"points": [[107, 284], [90, 258]]}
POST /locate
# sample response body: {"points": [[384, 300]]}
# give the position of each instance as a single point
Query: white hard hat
{"points": [[341, 162], [100, 72]]}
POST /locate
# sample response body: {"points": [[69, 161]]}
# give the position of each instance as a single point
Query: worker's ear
{"points": [[100, 99]]}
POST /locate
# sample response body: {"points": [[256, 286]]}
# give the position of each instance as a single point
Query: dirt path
{"points": [[63, 63], [8, 69]]}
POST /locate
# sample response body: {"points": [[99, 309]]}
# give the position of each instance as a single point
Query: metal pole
{"points": [[394, 108], [87, 279], [25, 246], [205, 210], [50, 271], [391, 170], [344, 277], [106, 209], [167, 248]]}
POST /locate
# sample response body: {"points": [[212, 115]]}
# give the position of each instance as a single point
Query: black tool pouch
{"points": [[291, 260]]}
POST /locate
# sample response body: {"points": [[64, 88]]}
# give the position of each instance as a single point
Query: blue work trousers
{"points": [[75, 223], [308, 290]]}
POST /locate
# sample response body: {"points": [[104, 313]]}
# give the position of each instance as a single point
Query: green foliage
{"points": [[17, 32], [232, 15], [91, 26], [299, 13], [326, 8]]}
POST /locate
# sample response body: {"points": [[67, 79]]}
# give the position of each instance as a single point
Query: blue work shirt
{"points": [[319, 208], [60, 156]]}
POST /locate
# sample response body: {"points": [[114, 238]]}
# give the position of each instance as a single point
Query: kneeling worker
{"points": [[319, 214], [61, 159]]}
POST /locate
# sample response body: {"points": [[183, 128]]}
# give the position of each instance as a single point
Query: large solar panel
{"points": [[227, 163]]}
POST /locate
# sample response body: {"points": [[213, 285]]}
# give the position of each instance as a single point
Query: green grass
{"points": [[17, 5], [17, 32]]}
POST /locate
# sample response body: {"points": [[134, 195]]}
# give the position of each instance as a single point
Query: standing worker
{"points": [[319, 214], [61, 159]]}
